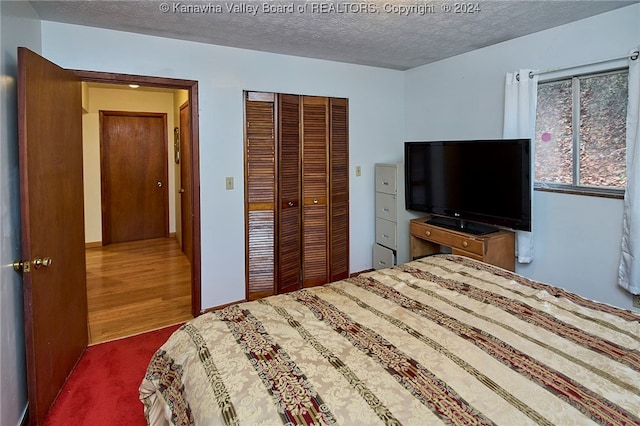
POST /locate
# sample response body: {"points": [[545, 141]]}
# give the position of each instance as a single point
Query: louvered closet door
{"points": [[315, 187], [260, 187], [339, 189], [289, 253]]}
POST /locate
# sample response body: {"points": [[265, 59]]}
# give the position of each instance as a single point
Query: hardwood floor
{"points": [[135, 287]]}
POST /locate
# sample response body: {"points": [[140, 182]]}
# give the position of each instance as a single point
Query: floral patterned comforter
{"points": [[442, 340]]}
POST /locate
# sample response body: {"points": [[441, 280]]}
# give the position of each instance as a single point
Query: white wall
{"points": [[120, 99], [375, 126], [20, 27], [577, 238]]}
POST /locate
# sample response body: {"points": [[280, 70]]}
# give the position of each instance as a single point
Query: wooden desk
{"points": [[497, 248]]}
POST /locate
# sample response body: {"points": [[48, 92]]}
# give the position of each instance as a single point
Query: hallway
{"points": [[135, 287]]}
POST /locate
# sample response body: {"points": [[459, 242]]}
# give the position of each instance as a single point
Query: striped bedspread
{"points": [[442, 340]]}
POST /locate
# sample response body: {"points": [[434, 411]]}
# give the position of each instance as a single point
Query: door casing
{"points": [[192, 160]]}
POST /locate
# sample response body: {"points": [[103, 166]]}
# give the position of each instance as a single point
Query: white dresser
{"points": [[387, 206]]}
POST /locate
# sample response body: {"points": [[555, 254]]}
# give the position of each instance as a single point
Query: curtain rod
{"points": [[633, 56]]}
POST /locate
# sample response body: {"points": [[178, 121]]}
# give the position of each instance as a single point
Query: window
{"points": [[580, 134]]}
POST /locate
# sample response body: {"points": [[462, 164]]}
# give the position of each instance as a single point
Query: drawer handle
{"points": [[465, 244], [385, 236], [382, 263], [385, 210], [427, 233], [315, 201], [385, 183], [290, 203]]}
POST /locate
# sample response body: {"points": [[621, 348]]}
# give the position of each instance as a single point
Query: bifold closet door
{"points": [[260, 193], [315, 188], [288, 244], [296, 192], [339, 188]]}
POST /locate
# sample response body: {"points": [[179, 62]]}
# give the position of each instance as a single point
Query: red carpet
{"points": [[103, 388]]}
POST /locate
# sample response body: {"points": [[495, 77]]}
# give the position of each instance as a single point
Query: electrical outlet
{"points": [[358, 171], [636, 300], [229, 182]]}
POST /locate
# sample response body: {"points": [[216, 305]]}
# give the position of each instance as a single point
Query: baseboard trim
{"points": [[355, 274], [215, 308], [94, 244]]}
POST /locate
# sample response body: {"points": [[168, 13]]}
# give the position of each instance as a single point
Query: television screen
{"points": [[486, 181]]}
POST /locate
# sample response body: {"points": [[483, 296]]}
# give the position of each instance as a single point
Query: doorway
{"points": [[51, 182], [188, 159]]}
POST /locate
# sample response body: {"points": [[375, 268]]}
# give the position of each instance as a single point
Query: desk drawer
{"points": [[448, 238], [468, 254]]}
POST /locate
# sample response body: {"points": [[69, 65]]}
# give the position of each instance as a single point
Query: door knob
{"points": [[181, 191], [159, 184], [22, 266], [38, 262], [25, 265]]}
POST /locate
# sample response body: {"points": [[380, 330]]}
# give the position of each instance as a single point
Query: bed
{"points": [[440, 340]]}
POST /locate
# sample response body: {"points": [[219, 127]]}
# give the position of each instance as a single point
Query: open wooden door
{"points": [[51, 190], [186, 182]]}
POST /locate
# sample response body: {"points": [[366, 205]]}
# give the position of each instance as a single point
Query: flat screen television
{"points": [[471, 185]]}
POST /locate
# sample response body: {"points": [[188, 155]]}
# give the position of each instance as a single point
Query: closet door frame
{"points": [[318, 208]]}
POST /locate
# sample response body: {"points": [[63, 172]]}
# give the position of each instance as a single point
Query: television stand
{"points": [[496, 248], [473, 228]]}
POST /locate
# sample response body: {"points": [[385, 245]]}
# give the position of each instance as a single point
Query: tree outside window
{"points": [[591, 159]]}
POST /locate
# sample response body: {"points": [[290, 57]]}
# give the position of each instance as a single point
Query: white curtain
{"points": [[520, 99], [629, 270]]}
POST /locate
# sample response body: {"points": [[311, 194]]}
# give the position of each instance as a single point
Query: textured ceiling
{"points": [[394, 34]]}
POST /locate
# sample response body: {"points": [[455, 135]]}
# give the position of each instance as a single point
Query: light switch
{"points": [[229, 182], [358, 171]]}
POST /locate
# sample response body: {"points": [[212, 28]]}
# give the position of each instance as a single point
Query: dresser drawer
{"points": [[386, 233], [382, 257], [496, 248], [448, 238], [386, 206], [386, 179]]}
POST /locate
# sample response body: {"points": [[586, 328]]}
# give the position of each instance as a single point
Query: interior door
{"points": [[186, 190], [51, 190], [134, 162]]}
